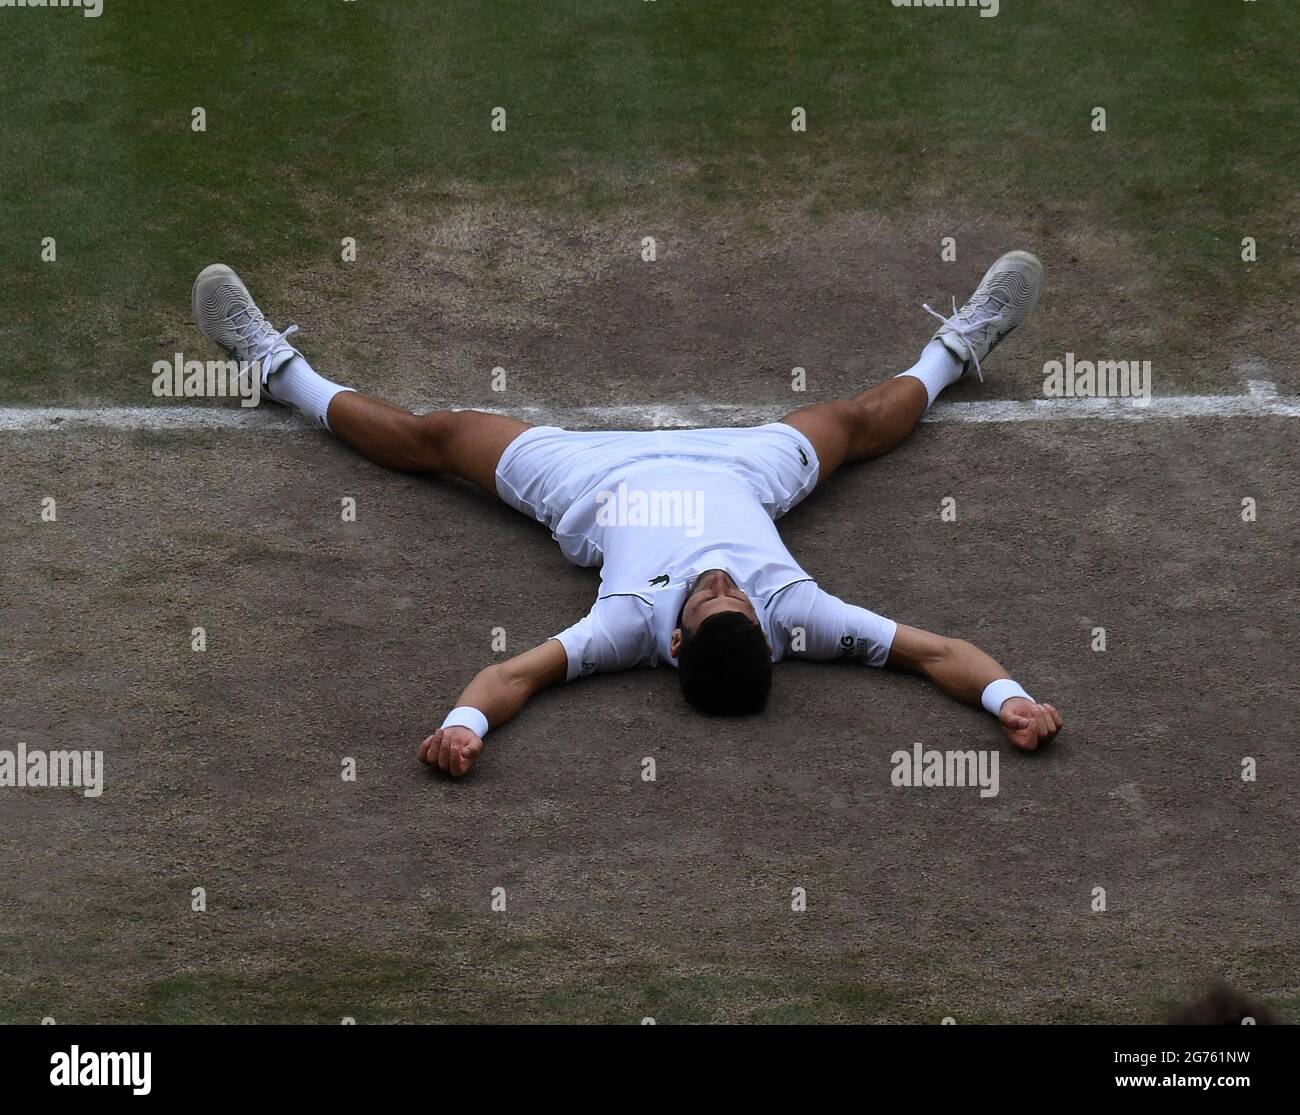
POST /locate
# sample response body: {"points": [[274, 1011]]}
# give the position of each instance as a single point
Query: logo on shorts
{"points": [[803, 457], [658, 581]]}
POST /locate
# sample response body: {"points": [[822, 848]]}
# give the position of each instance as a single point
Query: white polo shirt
{"points": [[654, 525]]}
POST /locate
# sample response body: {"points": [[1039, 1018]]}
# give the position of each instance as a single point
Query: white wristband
{"points": [[467, 716], [1000, 691]]}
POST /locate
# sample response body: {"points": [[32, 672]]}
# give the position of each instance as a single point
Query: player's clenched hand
{"points": [[452, 750], [1028, 725]]}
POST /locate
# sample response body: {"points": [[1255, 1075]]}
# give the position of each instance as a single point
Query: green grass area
{"points": [[321, 116], [459, 973]]}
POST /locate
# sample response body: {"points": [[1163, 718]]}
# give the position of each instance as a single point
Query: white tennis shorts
{"points": [[545, 469]]}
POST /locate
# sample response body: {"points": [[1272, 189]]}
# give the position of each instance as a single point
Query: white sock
{"points": [[937, 368], [299, 385]]}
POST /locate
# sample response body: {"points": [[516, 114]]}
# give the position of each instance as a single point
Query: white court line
{"points": [[1260, 401]]}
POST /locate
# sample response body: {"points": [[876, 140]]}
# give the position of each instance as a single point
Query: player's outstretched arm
{"points": [[964, 671], [495, 695]]}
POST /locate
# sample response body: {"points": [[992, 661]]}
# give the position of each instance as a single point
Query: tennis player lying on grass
{"points": [[693, 571]]}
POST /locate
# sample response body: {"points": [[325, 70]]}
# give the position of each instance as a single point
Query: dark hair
{"points": [[725, 666], [1222, 1006]]}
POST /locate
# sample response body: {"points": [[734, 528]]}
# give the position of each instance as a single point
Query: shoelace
{"points": [[260, 336], [964, 329]]}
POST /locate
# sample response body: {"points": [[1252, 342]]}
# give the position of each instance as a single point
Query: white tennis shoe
{"points": [[1005, 297], [226, 314]]}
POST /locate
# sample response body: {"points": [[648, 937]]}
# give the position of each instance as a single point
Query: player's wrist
{"points": [[999, 692], [467, 716]]}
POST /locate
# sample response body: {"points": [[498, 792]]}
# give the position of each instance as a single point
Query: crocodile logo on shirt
{"points": [[658, 581], [803, 457]]}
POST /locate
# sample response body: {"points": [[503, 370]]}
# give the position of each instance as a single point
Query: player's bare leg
{"points": [[867, 425], [466, 444], [880, 418], [463, 443]]}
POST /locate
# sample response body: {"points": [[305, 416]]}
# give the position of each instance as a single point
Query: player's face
{"points": [[714, 592]]}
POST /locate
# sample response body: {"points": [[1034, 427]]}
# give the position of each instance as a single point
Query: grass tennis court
{"points": [[521, 249]]}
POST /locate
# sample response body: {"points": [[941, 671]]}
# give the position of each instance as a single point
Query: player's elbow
{"points": [[512, 679], [924, 651], [951, 656], [958, 649], [498, 678]]}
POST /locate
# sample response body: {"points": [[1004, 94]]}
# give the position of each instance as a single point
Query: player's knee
{"points": [[864, 420], [854, 420], [432, 435]]}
